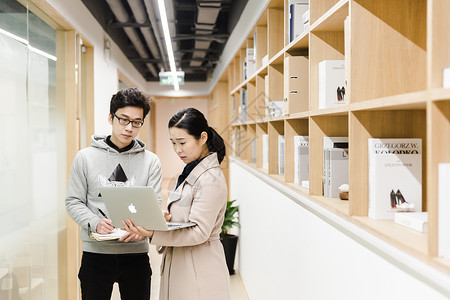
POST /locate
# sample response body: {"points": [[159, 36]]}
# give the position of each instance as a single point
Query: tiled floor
{"points": [[238, 291]]}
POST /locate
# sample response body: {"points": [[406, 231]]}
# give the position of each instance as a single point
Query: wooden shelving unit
{"points": [[394, 53]]}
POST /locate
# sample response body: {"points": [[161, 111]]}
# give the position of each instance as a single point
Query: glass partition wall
{"points": [[32, 168]]}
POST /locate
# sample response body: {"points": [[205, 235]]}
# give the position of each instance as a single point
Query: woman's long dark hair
{"points": [[194, 123]]}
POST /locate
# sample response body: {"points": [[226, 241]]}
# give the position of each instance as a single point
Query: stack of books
{"points": [[335, 165]]}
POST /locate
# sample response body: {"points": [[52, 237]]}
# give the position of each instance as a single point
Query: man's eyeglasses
{"points": [[125, 122]]}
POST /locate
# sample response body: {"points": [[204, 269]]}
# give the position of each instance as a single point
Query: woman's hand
{"points": [[131, 228], [130, 237], [167, 215]]}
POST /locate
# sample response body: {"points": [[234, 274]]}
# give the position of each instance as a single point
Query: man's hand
{"points": [[105, 226]]}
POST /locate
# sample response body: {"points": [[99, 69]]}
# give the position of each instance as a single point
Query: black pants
{"points": [[98, 272]]}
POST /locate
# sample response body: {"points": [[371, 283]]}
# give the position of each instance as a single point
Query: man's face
{"points": [[123, 135]]}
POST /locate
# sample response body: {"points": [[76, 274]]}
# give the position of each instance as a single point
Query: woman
{"points": [[193, 265]]}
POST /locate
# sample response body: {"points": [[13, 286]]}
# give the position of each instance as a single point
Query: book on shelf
{"points": [[414, 220], [444, 210], [254, 47], [244, 68], [281, 154], [265, 150], [243, 107], [301, 158], [305, 20], [337, 170], [446, 78], [335, 165], [250, 62], [296, 10], [276, 109], [233, 142], [395, 176], [331, 83]]}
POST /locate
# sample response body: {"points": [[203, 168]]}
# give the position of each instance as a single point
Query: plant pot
{"points": [[229, 243]]}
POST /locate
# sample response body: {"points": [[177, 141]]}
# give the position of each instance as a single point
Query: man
{"points": [[116, 160]]}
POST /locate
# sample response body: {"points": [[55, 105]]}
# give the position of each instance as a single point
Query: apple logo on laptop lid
{"points": [[132, 208]]}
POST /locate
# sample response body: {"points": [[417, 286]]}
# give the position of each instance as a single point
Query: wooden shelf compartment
{"points": [[292, 127], [438, 41], [440, 94], [251, 101], [438, 118], [232, 82], [333, 19], [390, 37], [261, 40], [326, 45], [273, 82], [234, 139], [275, 30], [236, 71], [261, 98], [236, 104], [317, 8], [261, 129], [380, 124], [296, 84], [320, 127], [275, 128], [404, 238], [299, 46], [410, 101], [244, 143]]}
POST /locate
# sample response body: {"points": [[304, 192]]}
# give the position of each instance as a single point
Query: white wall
{"points": [[165, 109], [105, 73], [288, 251]]}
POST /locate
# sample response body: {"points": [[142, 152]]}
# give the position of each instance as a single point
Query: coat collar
{"points": [[207, 163]]}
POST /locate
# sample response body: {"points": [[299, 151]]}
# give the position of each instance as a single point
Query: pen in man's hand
{"points": [[103, 214]]}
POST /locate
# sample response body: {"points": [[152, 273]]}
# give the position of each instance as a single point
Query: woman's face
{"points": [[186, 146]]}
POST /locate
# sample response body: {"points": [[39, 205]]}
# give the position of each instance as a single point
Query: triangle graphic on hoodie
{"points": [[118, 175]]}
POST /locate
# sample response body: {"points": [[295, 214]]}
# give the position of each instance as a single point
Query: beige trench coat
{"points": [[193, 266]]}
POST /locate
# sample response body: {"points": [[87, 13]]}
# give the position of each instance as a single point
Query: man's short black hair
{"points": [[129, 97]]}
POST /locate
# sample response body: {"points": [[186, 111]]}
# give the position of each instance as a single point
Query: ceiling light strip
{"points": [[25, 42], [165, 26]]}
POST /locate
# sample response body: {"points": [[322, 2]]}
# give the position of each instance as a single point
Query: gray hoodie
{"points": [[101, 165]]}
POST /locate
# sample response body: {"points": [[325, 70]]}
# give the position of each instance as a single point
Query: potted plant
{"points": [[229, 241]]}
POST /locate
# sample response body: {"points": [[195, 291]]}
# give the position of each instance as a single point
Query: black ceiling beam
{"points": [[180, 37], [129, 24], [198, 50]]}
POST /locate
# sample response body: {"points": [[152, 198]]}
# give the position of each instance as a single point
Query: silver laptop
{"points": [[139, 204]]}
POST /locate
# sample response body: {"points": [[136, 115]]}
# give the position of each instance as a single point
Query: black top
{"points": [[187, 170], [112, 145]]}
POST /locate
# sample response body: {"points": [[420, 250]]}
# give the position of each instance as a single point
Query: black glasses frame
{"points": [[125, 122]]}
